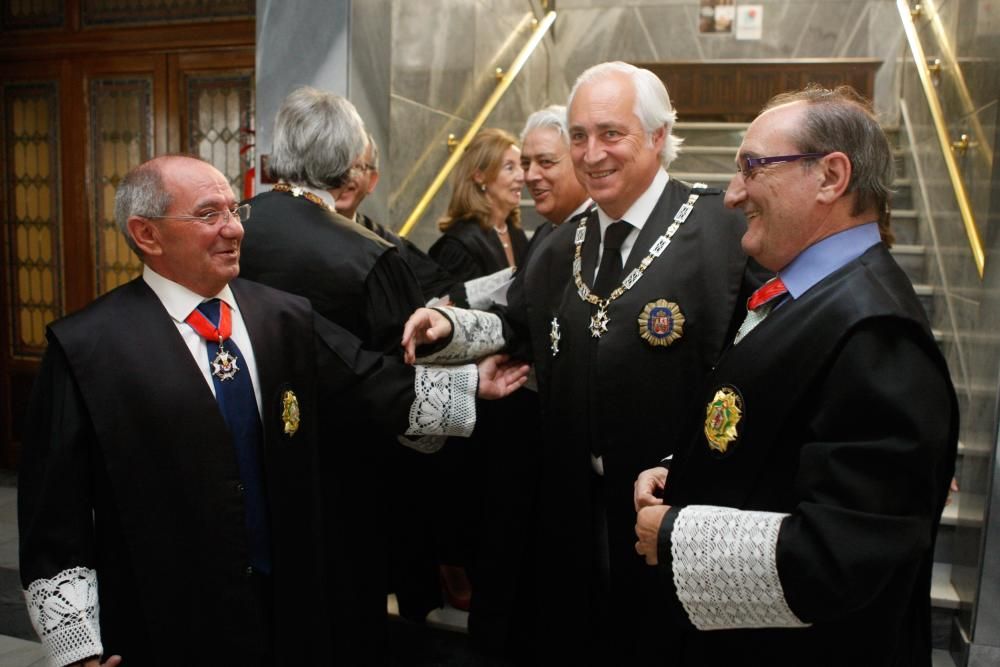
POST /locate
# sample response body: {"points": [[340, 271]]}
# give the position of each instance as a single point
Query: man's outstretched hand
{"points": [[498, 376]]}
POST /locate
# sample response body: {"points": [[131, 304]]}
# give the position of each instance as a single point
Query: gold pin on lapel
{"points": [[722, 417], [290, 412]]}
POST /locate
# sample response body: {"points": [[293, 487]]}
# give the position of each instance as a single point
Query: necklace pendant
{"points": [[224, 365], [555, 336], [599, 322]]}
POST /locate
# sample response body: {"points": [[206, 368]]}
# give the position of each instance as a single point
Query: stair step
{"points": [[702, 177], [965, 509], [941, 658], [943, 593], [974, 449]]}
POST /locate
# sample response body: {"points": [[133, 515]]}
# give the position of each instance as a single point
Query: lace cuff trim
{"points": [[425, 444], [725, 571], [445, 402], [65, 613], [475, 334], [479, 291]]}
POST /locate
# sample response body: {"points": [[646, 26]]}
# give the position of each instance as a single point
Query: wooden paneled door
{"points": [[78, 109]]}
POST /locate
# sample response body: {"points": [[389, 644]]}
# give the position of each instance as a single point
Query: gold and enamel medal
{"points": [[661, 323], [722, 419], [290, 412]]}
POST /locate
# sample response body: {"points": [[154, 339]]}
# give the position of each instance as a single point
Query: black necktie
{"points": [[239, 410], [609, 274]]}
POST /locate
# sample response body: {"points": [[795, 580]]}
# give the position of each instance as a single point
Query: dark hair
{"points": [[840, 119]]}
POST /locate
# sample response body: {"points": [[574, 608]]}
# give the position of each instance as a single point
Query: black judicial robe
{"points": [[127, 468], [351, 276], [849, 424], [468, 251], [356, 279], [632, 400], [434, 280]]}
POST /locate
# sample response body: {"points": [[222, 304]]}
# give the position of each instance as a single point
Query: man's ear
{"points": [[658, 138], [145, 234], [372, 181], [836, 176]]}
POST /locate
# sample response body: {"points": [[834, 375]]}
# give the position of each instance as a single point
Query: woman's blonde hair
{"points": [[484, 155]]}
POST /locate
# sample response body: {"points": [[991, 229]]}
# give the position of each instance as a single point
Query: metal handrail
{"points": [[982, 144], [965, 208], [504, 83]]}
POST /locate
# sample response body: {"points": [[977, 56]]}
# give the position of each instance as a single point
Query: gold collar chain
{"points": [[599, 322], [296, 191]]}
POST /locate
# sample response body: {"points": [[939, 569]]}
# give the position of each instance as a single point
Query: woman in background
{"points": [[482, 232]]}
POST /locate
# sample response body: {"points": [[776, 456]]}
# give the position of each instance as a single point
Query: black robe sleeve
{"points": [[392, 294], [55, 485], [454, 257]]}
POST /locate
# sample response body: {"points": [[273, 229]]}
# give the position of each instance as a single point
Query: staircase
{"points": [[708, 156]]}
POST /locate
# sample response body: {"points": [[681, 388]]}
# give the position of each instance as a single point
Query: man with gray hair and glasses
{"points": [[798, 526], [168, 486]]}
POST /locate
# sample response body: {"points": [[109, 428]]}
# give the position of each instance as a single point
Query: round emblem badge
{"points": [[661, 322], [722, 419]]}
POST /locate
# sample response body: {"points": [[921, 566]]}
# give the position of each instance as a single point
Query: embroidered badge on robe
{"points": [[661, 322], [722, 418], [290, 412]]}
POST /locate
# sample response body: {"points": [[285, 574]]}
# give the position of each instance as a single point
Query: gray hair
{"points": [[652, 103], [374, 146], [551, 117], [317, 137], [840, 119], [141, 192]]}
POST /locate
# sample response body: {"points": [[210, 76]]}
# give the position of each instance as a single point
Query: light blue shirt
{"points": [[826, 256]]}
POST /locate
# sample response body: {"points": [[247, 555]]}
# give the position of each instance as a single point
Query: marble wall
{"points": [[592, 31], [437, 86], [966, 307], [444, 57], [419, 71]]}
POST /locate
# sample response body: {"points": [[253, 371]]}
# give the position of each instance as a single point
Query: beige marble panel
{"points": [[417, 152]]}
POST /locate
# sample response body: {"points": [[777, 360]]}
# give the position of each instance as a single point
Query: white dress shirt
{"points": [[636, 215], [179, 301]]}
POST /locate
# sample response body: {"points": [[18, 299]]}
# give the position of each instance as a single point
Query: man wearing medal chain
{"points": [[168, 487], [616, 356], [798, 526]]}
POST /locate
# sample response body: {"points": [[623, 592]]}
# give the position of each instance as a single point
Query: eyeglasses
{"points": [[364, 167], [745, 166], [241, 213]]}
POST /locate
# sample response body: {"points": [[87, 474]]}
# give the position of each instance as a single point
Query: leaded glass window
{"points": [[121, 138], [32, 220], [220, 112]]}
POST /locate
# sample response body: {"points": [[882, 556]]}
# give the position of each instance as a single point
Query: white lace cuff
{"points": [[480, 291], [65, 613], [475, 334], [725, 570], [445, 402]]}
